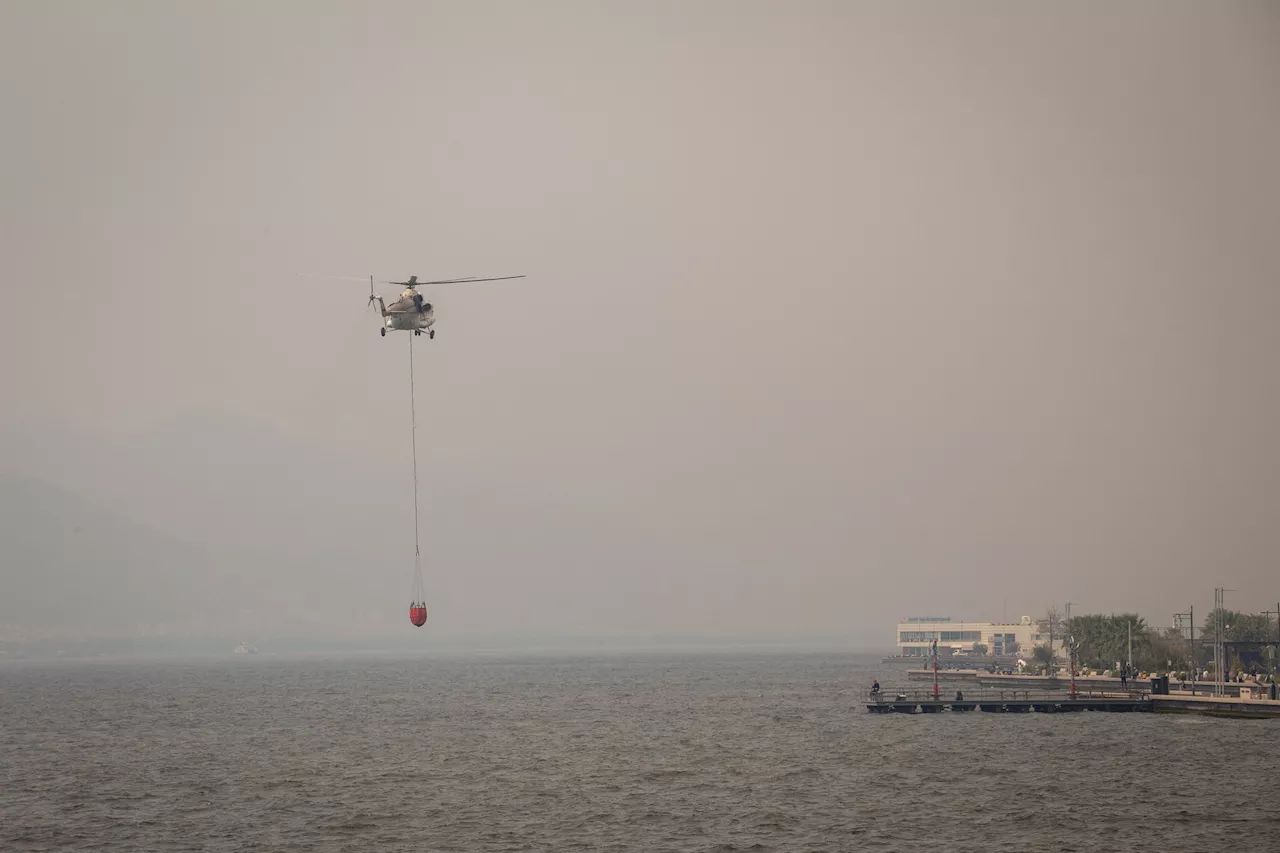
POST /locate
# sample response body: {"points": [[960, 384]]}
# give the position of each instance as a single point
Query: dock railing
{"points": [[916, 695]]}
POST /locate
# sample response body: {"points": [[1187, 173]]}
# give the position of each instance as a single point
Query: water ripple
{"points": [[625, 753]]}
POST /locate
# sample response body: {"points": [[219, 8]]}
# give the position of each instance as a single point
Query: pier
{"points": [[1237, 707], [966, 679], [1007, 701], [1046, 701]]}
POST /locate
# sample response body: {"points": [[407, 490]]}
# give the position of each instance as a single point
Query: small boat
{"points": [[246, 649]]}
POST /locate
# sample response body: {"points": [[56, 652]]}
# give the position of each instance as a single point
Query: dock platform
{"points": [[1219, 706], [1006, 702]]}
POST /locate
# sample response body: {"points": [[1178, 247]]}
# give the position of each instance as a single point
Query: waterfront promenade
{"points": [[988, 692]]}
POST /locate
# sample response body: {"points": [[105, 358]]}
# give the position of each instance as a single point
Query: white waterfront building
{"points": [[917, 633]]}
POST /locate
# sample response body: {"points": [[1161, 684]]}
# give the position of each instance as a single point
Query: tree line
{"points": [[1103, 640]]}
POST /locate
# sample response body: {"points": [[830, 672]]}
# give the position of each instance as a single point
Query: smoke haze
{"points": [[836, 312]]}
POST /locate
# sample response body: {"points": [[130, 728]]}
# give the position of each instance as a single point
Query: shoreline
{"points": [[982, 677]]}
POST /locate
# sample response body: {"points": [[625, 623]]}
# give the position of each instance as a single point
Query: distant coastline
{"points": [[161, 648]]}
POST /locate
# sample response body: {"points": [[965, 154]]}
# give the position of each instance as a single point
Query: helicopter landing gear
{"points": [[432, 334], [383, 330], [417, 332]]}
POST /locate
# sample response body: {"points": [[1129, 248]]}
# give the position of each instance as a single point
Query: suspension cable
{"points": [[413, 422]]}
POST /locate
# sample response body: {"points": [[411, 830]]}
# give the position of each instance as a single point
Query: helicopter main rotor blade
{"points": [[455, 280], [334, 277]]}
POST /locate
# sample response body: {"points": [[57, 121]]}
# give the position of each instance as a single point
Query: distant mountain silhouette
{"points": [[206, 526], [213, 479], [72, 568]]}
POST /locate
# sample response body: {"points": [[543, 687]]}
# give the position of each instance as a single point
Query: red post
{"points": [[935, 669]]}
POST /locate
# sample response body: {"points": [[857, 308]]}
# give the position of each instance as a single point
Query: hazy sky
{"points": [[836, 312]]}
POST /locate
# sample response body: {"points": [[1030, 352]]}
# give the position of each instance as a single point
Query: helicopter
{"points": [[410, 312]]}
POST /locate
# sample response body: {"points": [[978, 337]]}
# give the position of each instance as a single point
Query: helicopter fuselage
{"points": [[409, 313], [409, 321]]}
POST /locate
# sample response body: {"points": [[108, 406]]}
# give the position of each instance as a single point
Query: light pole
{"points": [[1271, 651], [1217, 642], [1220, 639], [1066, 629], [1129, 627], [1071, 661], [1181, 620]]}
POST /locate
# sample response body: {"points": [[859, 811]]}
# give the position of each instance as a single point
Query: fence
{"points": [[890, 696]]}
